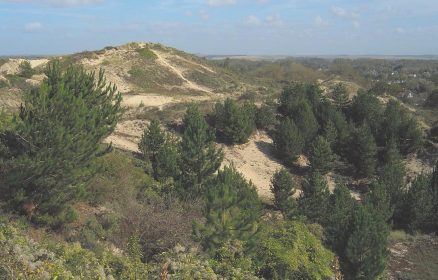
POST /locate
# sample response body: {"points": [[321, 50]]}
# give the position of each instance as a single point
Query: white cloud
{"points": [[58, 3], [319, 21], [342, 13], [253, 21], [274, 21], [400, 30], [33, 27], [220, 3]]}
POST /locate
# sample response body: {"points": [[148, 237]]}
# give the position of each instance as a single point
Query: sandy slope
{"points": [[146, 100], [188, 85], [12, 66], [253, 160]]}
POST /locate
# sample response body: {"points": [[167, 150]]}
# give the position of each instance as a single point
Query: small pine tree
{"points": [[313, 202], [151, 143], [364, 151], [330, 133], [282, 186], [232, 210], [321, 156], [25, 69], [340, 96], [366, 251], [306, 122], [234, 123], [288, 141], [265, 116], [199, 158]]}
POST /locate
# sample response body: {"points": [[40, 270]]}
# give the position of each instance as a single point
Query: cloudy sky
{"points": [[271, 27]]}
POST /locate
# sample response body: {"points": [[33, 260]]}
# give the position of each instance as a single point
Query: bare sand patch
{"points": [[146, 100], [12, 67], [127, 134], [253, 160]]}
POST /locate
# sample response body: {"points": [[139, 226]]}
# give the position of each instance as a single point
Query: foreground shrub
{"points": [[288, 250]]}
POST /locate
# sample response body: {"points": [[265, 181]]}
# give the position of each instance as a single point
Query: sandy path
{"points": [[127, 135], [190, 85]]}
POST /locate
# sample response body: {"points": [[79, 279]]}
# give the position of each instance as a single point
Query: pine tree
{"points": [[151, 143], [265, 115], [341, 209], [282, 186], [367, 108], [364, 151], [25, 69], [366, 247], [232, 210], [57, 135], [330, 133], [421, 205], [340, 96], [306, 122], [234, 123], [313, 202], [199, 158], [321, 155], [288, 141]]}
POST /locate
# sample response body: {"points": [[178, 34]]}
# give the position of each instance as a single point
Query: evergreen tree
{"points": [[392, 154], [366, 247], [367, 108], [313, 202], [306, 122], [341, 209], [288, 141], [421, 205], [57, 135], [151, 143], [232, 210], [167, 159], [159, 148], [364, 151], [199, 158], [25, 69], [330, 133], [282, 186], [265, 116], [340, 96], [234, 123], [321, 155], [399, 125]]}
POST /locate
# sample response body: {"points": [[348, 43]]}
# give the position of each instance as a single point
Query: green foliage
{"points": [[321, 156], [363, 152], [341, 96], [288, 140], [146, 53], [159, 148], [288, 250], [339, 218], [399, 125], [283, 188], [234, 123], [367, 108], [313, 201], [265, 116], [421, 203], [432, 99], [22, 258], [199, 158], [366, 247], [58, 133], [232, 210], [118, 177], [231, 262], [25, 69]]}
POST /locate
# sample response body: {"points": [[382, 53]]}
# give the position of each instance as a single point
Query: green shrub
{"points": [[146, 53], [288, 250]]}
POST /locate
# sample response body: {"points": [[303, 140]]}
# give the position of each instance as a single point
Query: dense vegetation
{"points": [[172, 211]]}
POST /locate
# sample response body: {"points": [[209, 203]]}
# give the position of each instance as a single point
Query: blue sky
{"points": [[257, 27]]}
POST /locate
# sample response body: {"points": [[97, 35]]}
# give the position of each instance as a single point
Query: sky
{"points": [[222, 27]]}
